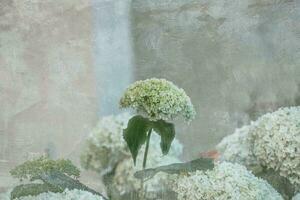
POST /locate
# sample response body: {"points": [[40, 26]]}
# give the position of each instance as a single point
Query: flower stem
{"points": [[146, 149], [142, 194]]}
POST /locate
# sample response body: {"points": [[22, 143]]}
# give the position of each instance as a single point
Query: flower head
{"points": [[225, 181], [272, 141], [276, 142], [105, 146], [237, 148], [158, 99]]}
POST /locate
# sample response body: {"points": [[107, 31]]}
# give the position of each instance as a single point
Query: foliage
{"points": [[136, 134], [55, 175], [116, 166], [177, 168], [123, 177]]}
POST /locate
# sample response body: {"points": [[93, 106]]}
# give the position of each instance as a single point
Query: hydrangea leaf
{"points": [[135, 134], [177, 168], [167, 133]]}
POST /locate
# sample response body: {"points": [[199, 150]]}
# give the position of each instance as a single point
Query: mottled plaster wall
{"points": [[48, 99], [236, 59]]}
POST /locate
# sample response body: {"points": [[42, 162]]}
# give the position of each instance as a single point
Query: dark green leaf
{"points": [[167, 133], [136, 133], [177, 168]]}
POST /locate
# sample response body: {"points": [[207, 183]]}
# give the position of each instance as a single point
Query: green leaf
{"points": [[135, 134], [167, 133], [177, 168]]}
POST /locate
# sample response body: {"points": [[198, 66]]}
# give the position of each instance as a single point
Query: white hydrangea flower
{"points": [[296, 197], [158, 99], [66, 195], [237, 147], [105, 145], [124, 179], [276, 142], [225, 181]]}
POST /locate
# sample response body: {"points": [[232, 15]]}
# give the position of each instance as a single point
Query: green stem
{"points": [[142, 195], [146, 149]]}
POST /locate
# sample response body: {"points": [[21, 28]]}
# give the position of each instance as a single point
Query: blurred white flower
{"points": [[158, 99], [237, 147], [105, 146], [66, 195], [225, 181]]}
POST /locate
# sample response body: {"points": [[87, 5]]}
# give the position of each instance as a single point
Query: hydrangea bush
{"points": [[225, 181], [276, 142], [271, 142]]}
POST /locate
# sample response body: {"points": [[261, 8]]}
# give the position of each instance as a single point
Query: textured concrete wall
{"points": [[236, 59], [48, 97]]}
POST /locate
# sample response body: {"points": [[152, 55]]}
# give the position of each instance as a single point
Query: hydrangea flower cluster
{"points": [[225, 181], [276, 142], [124, 175], [158, 99], [105, 145], [107, 150], [66, 195], [273, 141], [237, 148]]}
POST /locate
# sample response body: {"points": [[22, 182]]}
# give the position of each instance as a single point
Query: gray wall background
{"points": [[63, 65]]}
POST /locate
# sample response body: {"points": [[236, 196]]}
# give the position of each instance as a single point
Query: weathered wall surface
{"points": [[236, 59], [61, 64], [47, 84]]}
